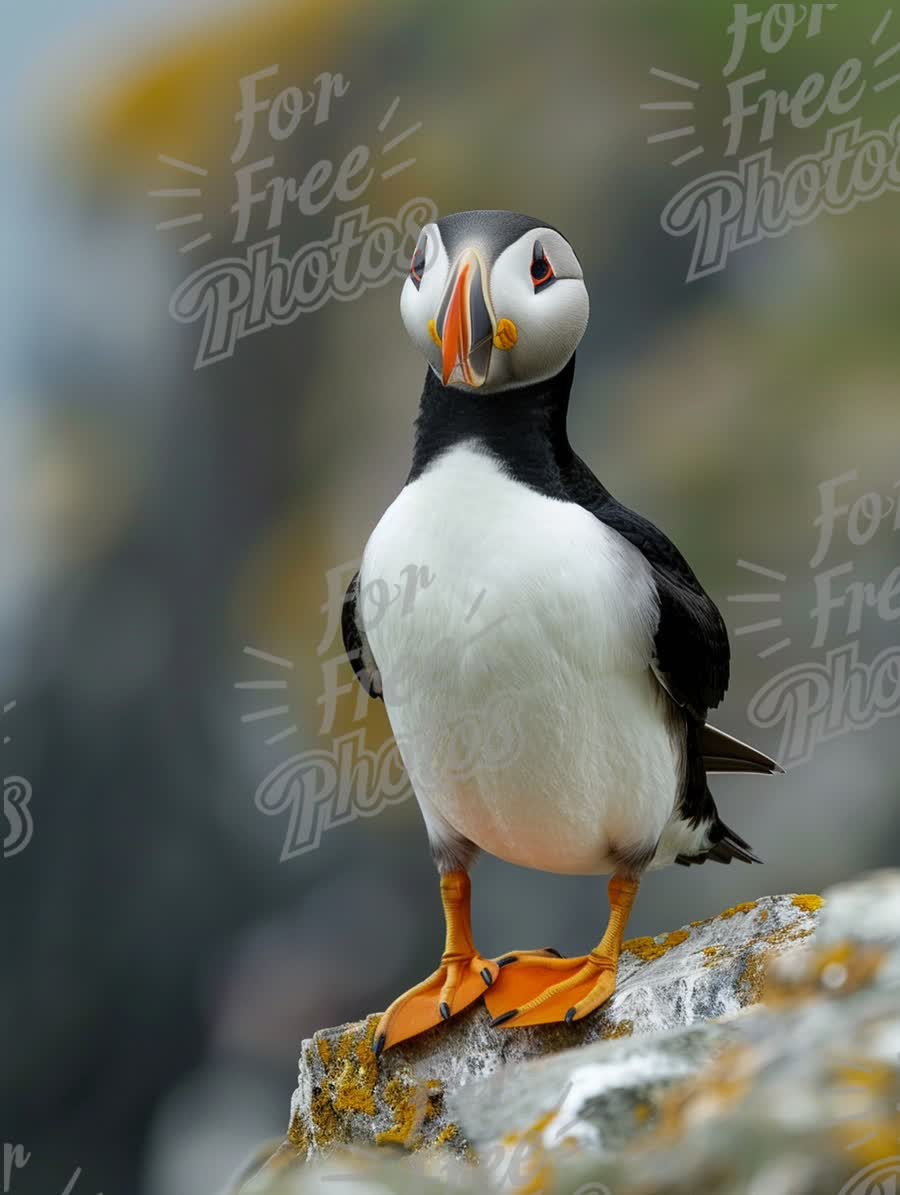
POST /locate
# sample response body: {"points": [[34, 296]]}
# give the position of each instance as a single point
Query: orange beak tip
{"points": [[453, 347]]}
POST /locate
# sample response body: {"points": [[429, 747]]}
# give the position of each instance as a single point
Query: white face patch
{"points": [[549, 318], [419, 304]]}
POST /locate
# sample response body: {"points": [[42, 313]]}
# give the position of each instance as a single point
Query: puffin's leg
{"points": [[461, 978], [538, 990]]}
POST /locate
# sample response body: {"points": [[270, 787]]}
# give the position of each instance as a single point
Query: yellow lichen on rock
{"points": [[411, 1105], [809, 903], [754, 976], [523, 1165], [622, 1029], [747, 907], [868, 1087], [298, 1134], [324, 1120], [446, 1135], [356, 1071], [703, 1097], [648, 949], [838, 969], [347, 1085]]}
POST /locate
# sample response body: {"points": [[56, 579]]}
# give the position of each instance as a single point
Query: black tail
{"points": [[725, 846]]}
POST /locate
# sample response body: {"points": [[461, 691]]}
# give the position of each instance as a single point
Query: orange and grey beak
{"points": [[465, 324]]}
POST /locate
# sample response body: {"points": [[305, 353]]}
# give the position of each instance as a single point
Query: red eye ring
{"points": [[541, 270]]}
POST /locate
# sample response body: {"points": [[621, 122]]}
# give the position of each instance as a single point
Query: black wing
{"points": [[692, 653], [356, 645], [692, 663]]}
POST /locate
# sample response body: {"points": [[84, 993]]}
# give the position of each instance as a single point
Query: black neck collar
{"points": [[524, 428]]}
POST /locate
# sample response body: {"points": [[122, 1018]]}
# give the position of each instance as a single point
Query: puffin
{"points": [[548, 673]]}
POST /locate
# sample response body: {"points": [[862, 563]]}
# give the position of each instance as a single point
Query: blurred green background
{"points": [[160, 964]]}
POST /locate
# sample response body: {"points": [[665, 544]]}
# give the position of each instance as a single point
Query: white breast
{"points": [[516, 671]]}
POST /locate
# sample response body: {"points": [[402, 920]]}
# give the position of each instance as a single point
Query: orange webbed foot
{"points": [[539, 990], [542, 990], [457, 983]]}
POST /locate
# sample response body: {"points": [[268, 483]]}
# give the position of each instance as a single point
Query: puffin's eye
{"points": [[541, 270], [417, 266]]}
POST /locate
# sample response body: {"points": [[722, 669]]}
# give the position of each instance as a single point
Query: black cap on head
{"points": [[493, 230]]}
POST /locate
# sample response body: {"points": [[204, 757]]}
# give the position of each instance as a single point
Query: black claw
{"points": [[552, 950], [378, 1044], [445, 1010], [504, 1017], [570, 1016], [487, 977], [510, 958]]}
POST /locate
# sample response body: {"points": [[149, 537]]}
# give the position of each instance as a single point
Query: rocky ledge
{"points": [[759, 1050]]}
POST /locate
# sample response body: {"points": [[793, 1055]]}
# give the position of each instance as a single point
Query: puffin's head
{"points": [[494, 300]]}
